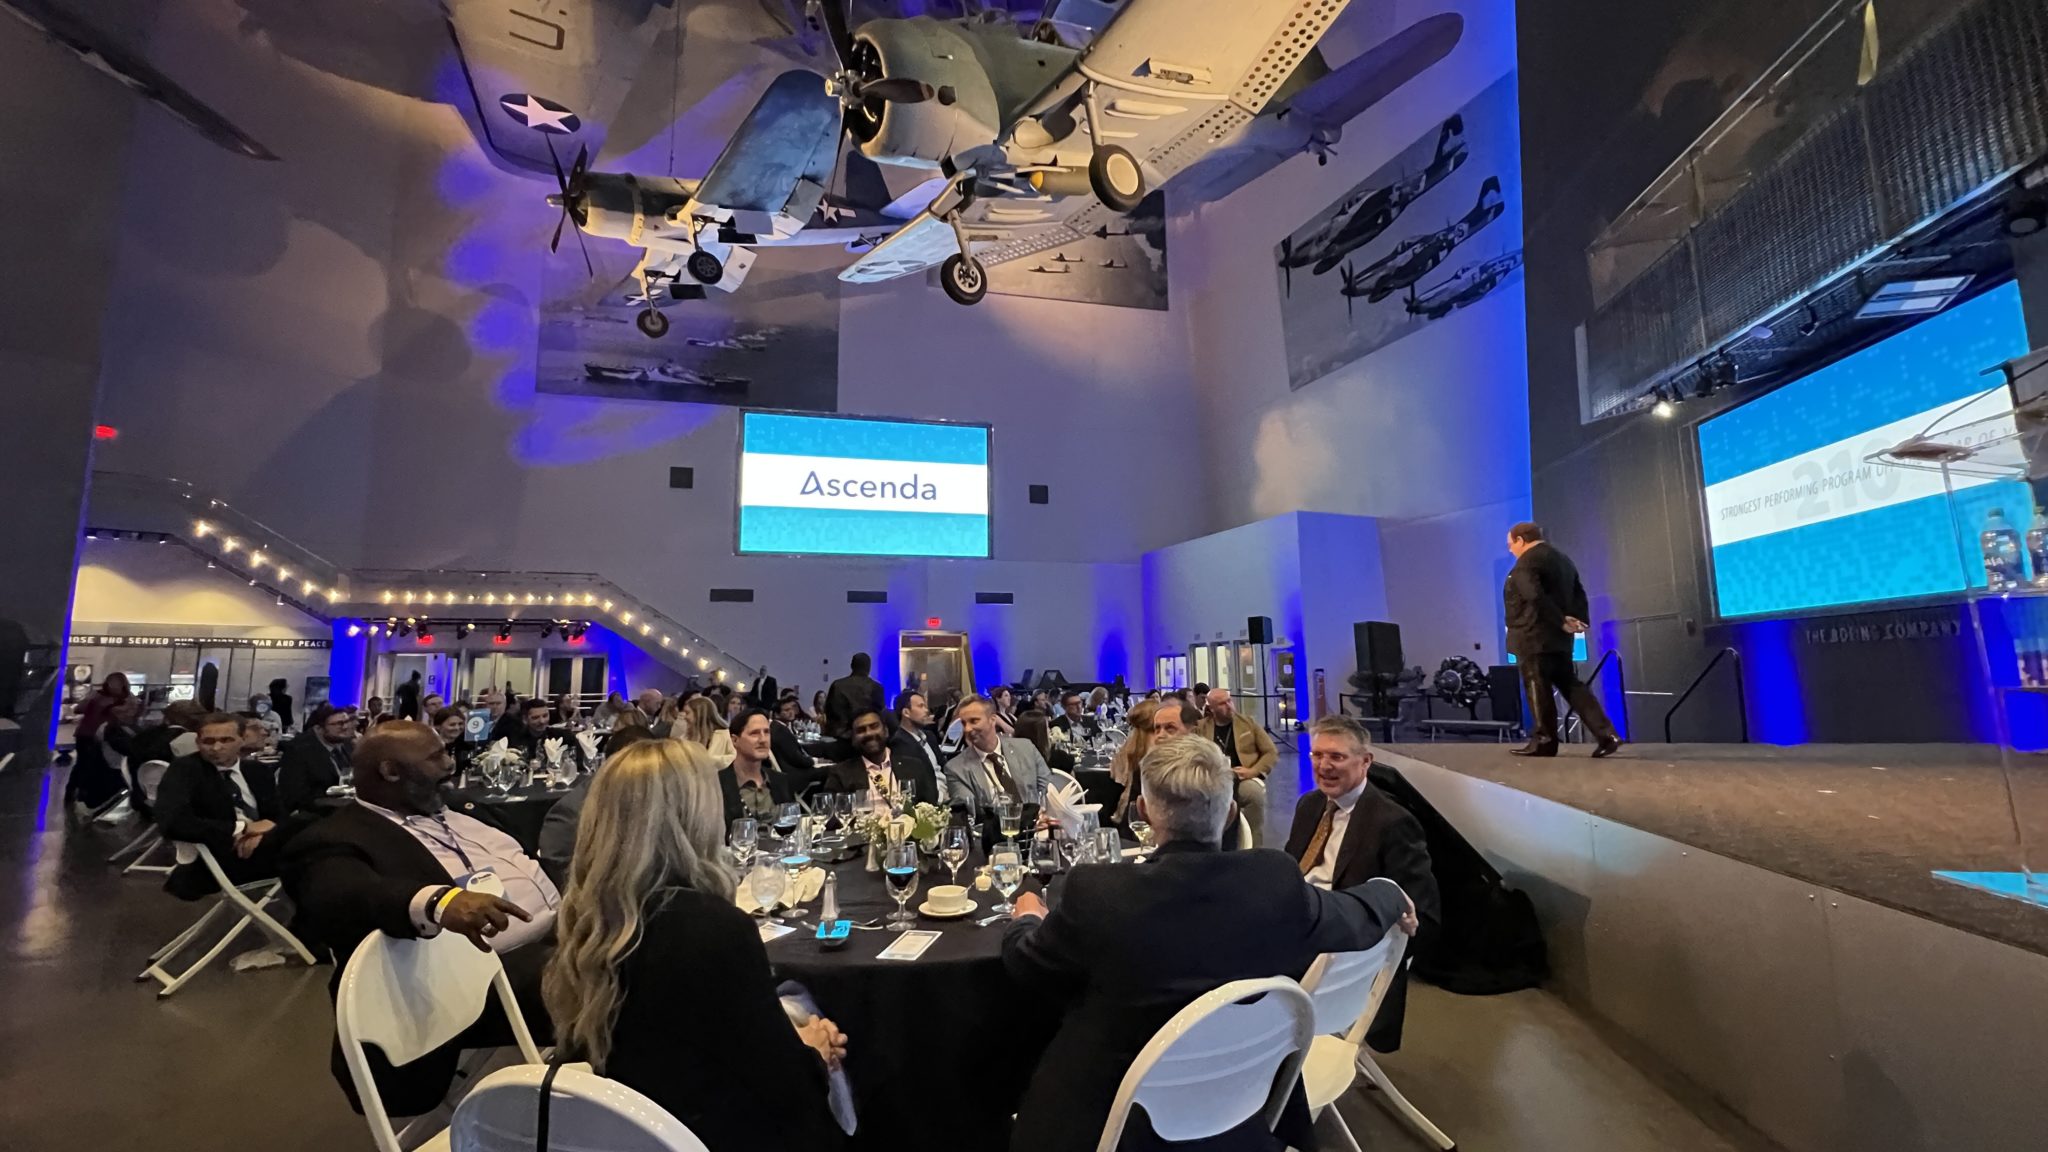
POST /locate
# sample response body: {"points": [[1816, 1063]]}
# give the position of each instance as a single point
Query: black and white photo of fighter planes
{"points": [[1418, 256], [1364, 215], [1468, 285]]}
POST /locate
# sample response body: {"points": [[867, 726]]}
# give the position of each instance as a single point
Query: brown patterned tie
{"points": [[1313, 854]]}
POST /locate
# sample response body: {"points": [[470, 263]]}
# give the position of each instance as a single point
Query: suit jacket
{"points": [[848, 697], [790, 757], [967, 785], [196, 804], [1126, 948], [1542, 589], [1381, 839], [908, 765], [1254, 748], [764, 693], [307, 770], [1065, 723], [527, 744], [702, 1032], [558, 832], [354, 872]]}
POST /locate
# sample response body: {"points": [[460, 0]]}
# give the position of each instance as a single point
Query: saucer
{"points": [[926, 909]]}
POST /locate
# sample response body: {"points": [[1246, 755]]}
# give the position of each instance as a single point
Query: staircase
{"points": [[171, 510]]}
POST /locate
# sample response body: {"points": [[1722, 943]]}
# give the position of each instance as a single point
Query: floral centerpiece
{"points": [[920, 822]]}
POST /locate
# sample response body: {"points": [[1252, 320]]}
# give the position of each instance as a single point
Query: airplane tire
{"points": [[1116, 178], [965, 280], [705, 268], [652, 324]]}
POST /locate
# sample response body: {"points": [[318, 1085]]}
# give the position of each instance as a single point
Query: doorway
{"points": [[935, 663]]}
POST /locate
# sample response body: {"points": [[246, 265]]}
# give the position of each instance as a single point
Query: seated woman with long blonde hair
{"points": [[1123, 768], [661, 982], [703, 727]]}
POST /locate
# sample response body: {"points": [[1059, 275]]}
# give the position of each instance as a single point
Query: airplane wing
{"points": [[998, 231], [538, 69], [779, 163]]}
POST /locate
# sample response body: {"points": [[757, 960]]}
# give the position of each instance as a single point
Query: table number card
{"points": [[771, 931], [909, 946]]}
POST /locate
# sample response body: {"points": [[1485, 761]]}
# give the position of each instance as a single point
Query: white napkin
{"points": [[499, 747], [1062, 808], [809, 883], [552, 749], [588, 742]]}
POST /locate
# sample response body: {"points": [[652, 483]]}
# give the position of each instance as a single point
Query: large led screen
{"points": [[1797, 520], [834, 486]]}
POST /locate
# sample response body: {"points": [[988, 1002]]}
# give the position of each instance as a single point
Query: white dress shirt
{"points": [[1326, 869], [465, 845]]}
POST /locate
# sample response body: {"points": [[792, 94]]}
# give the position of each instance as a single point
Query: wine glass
{"points": [[1010, 818], [746, 833], [1044, 856], [766, 883], [787, 817], [953, 849], [1008, 873], [1071, 849], [796, 856], [899, 868], [1142, 829]]}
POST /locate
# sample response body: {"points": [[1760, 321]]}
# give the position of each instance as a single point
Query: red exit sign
{"points": [[931, 621]]}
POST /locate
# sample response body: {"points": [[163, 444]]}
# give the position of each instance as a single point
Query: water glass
{"points": [[899, 869], [1008, 872], [766, 883], [953, 849], [746, 833], [1109, 847]]}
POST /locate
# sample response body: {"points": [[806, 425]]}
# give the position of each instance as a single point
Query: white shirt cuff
{"points": [[241, 825], [420, 911]]}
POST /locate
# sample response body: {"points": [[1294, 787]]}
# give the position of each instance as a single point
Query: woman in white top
{"points": [[702, 727]]}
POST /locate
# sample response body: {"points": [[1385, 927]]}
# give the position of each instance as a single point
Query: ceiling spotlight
{"points": [[374, 629], [404, 629], [2027, 219], [575, 631], [209, 563], [426, 637], [92, 534], [201, 528], [505, 631], [1664, 409], [252, 582], [547, 629], [462, 631], [355, 630]]}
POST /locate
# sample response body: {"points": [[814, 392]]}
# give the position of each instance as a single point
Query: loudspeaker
{"points": [[1504, 693], [1259, 630], [1378, 645]]}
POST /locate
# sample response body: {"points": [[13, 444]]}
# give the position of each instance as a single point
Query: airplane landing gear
{"points": [[1114, 176], [964, 279], [652, 324], [704, 267]]}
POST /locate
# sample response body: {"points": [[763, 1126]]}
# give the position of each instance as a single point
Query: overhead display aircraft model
{"points": [[1418, 256], [1372, 211]]}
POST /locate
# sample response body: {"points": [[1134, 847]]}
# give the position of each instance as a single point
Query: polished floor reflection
{"points": [[91, 1059]]}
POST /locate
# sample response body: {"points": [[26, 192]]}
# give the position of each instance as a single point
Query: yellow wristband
{"points": [[441, 905]]}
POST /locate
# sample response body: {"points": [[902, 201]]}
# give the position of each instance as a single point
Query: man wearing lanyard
{"points": [[398, 862], [873, 767]]}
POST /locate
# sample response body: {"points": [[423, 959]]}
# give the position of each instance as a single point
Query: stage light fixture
{"points": [[1811, 323], [374, 630], [283, 573], [355, 630], [92, 534], [547, 629], [1664, 409], [463, 630], [229, 543], [504, 633], [201, 528], [405, 629]]}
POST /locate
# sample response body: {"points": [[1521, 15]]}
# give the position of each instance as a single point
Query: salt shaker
{"points": [[830, 911]]}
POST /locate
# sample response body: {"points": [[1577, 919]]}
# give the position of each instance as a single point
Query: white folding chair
{"points": [[249, 899], [586, 1113], [1218, 1062], [1068, 786], [1348, 988], [1244, 834], [409, 997], [147, 776]]}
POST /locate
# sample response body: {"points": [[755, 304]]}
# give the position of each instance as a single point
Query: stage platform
{"points": [[1871, 820]]}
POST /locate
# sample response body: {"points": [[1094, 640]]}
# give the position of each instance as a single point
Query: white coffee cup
{"points": [[947, 898]]}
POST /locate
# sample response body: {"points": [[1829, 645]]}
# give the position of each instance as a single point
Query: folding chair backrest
{"points": [[1244, 833], [1218, 1062], [1066, 785], [409, 997], [1347, 987], [148, 775], [586, 1113]]}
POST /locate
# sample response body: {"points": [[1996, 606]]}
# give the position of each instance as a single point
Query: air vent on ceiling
{"points": [[732, 595], [856, 596], [995, 597]]}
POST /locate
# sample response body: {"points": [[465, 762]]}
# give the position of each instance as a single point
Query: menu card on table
{"points": [[909, 946]]}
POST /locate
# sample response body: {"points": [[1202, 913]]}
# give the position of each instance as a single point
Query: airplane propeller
{"points": [[1354, 286], [860, 83], [1287, 262], [571, 201]]}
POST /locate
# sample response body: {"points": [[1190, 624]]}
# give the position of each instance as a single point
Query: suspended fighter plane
{"points": [[1371, 211], [1418, 256]]}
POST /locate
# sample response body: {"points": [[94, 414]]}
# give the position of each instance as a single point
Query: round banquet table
{"points": [[939, 1049]]}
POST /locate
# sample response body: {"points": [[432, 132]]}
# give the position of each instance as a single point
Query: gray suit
{"points": [[967, 784]]}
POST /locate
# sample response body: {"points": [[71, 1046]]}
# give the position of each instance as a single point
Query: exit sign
{"points": [[931, 622]]}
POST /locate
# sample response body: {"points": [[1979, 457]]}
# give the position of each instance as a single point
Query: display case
{"points": [[1992, 470]]}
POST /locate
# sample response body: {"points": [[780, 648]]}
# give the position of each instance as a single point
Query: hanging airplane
{"points": [[1468, 285], [1418, 256], [1371, 211]]}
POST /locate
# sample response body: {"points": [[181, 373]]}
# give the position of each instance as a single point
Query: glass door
{"points": [[1203, 665]]}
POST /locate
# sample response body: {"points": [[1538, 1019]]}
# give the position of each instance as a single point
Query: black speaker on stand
{"points": [[1377, 646], [1258, 631]]}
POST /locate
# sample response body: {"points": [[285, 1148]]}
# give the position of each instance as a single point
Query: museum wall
{"points": [[342, 345], [1428, 432]]}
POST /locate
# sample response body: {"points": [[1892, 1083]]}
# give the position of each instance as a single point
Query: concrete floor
{"points": [[91, 1059]]}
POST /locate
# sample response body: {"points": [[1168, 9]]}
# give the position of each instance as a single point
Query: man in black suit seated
{"points": [[787, 751], [316, 759], [1128, 947], [876, 766], [217, 798], [849, 695], [535, 731], [1348, 831], [917, 736], [1072, 720], [1546, 609], [391, 862]]}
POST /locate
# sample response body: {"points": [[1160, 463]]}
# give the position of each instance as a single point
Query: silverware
{"points": [[986, 921]]}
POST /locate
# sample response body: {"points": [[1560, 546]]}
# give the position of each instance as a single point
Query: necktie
{"points": [[242, 804], [995, 765], [1313, 855]]}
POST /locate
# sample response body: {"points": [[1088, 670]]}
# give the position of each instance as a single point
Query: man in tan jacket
{"points": [[1251, 755]]}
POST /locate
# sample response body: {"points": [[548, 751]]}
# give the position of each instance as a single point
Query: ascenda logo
{"points": [[907, 489]]}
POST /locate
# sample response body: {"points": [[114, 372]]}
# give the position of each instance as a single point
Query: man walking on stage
{"points": [[1546, 608]]}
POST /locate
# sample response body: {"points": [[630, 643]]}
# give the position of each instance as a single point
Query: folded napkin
{"points": [[809, 883], [588, 742], [553, 749]]}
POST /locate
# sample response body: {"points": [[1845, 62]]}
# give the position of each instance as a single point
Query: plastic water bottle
{"points": [[2037, 547], [2000, 544]]}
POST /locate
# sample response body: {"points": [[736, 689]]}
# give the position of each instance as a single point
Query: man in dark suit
{"points": [[916, 737], [1546, 608], [535, 731], [874, 765], [389, 863], [1126, 948], [316, 759], [216, 798], [788, 751], [1072, 720], [1347, 831], [850, 695], [765, 691]]}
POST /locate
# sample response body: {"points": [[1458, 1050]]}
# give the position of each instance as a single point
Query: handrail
{"points": [[1741, 700], [1593, 678]]}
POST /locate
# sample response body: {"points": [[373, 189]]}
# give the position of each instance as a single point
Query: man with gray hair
{"points": [[1130, 945]]}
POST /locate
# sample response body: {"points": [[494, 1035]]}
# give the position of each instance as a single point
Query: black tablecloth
{"points": [[521, 813], [939, 1048]]}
